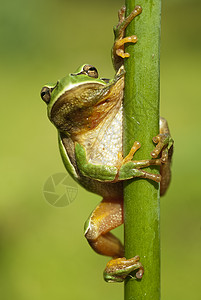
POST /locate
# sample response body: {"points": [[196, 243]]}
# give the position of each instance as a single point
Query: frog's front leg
{"points": [[107, 216], [124, 170], [118, 53]]}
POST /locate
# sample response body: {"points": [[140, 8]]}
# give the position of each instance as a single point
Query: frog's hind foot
{"points": [[107, 216], [119, 268]]}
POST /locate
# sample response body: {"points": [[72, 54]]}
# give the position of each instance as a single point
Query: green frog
{"points": [[87, 111]]}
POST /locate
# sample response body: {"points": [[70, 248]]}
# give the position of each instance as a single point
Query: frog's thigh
{"points": [[107, 216]]}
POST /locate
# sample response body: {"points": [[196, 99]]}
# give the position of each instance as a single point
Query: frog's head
{"points": [[74, 102]]}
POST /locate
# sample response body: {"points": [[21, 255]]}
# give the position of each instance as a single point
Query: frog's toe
{"points": [[164, 156], [121, 53], [118, 269]]}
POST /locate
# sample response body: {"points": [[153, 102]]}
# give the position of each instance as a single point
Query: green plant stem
{"points": [[141, 123]]}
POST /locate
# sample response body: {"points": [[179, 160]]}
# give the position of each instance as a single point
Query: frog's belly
{"points": [[104, 144]]}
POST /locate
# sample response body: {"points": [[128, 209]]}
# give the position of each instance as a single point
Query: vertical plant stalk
{"points": [[141, 123]]}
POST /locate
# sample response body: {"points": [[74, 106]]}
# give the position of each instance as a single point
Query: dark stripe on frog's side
{"points": [[77, 96], [75, 105], [83, 108]]}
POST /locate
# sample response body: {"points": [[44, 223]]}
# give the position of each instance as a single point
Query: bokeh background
{"points": [[43, 254]]}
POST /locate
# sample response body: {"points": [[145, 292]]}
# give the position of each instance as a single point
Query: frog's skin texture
{"points": [[87, 112]]}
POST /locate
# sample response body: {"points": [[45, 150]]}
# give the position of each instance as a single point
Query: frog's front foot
{"points": [[118, 51], [119, 268], [164, 144]]}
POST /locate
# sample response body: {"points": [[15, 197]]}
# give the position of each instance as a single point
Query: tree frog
{"points": [[87, 112]]}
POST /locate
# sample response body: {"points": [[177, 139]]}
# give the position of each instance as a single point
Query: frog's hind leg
{"points": [[107, 216]]}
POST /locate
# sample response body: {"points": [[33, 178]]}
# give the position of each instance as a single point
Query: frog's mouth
{"points": [[83, 108]]}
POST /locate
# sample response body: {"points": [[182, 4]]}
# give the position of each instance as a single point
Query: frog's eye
{"points": [[47, 91], [46, 94], [90, 71]]}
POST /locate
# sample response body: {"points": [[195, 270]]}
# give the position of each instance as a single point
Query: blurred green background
{"points": [[43, 254]]}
